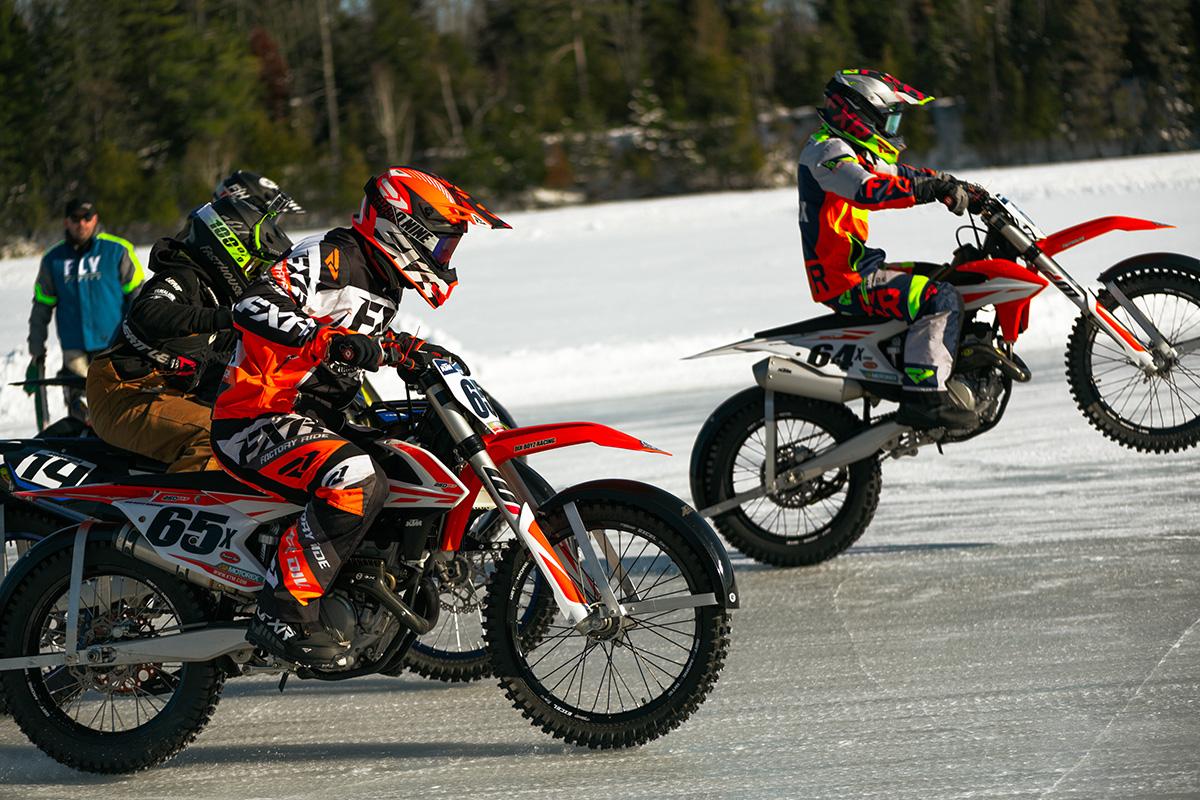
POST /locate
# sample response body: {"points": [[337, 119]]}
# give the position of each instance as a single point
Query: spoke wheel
{"points": [[1157, 412], [803, 525], [105, 719], [637, 677]]}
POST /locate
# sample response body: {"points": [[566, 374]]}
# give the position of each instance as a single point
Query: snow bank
{"points": [[604, 300]]}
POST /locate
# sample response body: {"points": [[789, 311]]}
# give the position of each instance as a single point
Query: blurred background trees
{"points": [[143, 104]]}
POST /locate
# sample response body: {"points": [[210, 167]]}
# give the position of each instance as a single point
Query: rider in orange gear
{"points": [[308, 329]]}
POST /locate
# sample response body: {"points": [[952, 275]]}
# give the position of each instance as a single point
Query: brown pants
{"points": [[148, 418]]}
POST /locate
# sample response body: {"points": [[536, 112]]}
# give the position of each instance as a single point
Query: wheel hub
{"points": [[806, 493]]}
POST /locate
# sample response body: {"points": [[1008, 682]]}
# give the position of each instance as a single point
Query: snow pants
{"points": [[341, 488], [149, 418], [933, 309]]}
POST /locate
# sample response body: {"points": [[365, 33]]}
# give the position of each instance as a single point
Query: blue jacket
{"points": [[90, 286]]}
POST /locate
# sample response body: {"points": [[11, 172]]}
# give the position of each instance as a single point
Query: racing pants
{"points": [[933, 310], [149, 418], [341, 488]]}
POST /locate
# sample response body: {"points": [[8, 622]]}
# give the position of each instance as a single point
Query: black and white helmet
{"points": [[255, 189]]}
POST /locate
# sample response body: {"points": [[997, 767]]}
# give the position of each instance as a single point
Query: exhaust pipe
{"points": [[130, 541], [778, 374]]}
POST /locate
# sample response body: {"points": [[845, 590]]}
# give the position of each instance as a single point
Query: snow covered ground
{"points": [[585, 313]]}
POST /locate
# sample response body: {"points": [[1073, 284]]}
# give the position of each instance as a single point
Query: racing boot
{"points": [[313, 645], [925, 410]]}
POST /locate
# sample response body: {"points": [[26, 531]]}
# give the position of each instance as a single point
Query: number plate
{"points": [[53, 470], [469, 394]]}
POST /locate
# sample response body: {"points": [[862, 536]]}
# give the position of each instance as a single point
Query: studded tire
{"points": [[1093, 361], [700, 640], [720, 450], [46, 724]]}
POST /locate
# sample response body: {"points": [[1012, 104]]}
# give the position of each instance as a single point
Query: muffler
{"points": [[778, 374]]}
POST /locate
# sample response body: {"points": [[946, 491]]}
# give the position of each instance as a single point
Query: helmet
{"points": [[864, 107], [234, 241], [414, 219], [254, 189]]}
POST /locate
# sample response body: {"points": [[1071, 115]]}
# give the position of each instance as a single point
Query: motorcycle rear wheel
{"points": [[105, 719], [621, 687], [1154, 413], [454, 651], [803, 526]]}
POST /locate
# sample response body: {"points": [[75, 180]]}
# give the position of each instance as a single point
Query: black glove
{"points": [[976, 195], [355, 350], [948, 190], [34, 372], [407, 352]]}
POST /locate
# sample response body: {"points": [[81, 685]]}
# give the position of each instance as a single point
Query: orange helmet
{"points": [[415, 219]]}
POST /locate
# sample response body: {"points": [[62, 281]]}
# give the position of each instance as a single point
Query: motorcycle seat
{"points": [[213, 480], [823, 323]]}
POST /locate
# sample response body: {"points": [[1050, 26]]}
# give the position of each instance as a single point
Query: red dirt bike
{"points": [[790, 474], [606, 619]]}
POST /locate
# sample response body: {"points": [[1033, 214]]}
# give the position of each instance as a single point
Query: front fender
{"points": [[1149, 261], [1078, 234], [515, 442], [682, 518]]}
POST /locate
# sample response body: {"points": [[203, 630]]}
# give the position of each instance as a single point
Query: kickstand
{"points": [[283, 681], [941, 452]]}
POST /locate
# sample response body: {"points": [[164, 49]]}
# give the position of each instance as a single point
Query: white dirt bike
{"points": [[789, 473]]}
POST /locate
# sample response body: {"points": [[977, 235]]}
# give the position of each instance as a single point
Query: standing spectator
{"points": [[90, 277]]}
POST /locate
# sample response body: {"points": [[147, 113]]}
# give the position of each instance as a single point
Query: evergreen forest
{"points": [[143, 104]]}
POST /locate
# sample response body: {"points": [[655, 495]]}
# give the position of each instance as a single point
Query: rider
{"points": [[849, 167], [151, 391], [308, 329]]}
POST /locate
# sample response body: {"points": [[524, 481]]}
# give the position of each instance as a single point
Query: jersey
{"points": [[838, 186], [286, 319]]}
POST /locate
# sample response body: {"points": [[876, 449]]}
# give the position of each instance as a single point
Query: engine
{"points": [[979, 383]]}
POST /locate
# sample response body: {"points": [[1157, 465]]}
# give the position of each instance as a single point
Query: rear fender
{"points": [[682, 518], [1077, 234], [1149, 261]]}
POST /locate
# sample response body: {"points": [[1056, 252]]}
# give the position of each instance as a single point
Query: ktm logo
{"points": [[333, 263]]}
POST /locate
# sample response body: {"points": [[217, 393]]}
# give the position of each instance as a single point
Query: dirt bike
{"points": [[68, 453], [790, 474], [607, 619]]}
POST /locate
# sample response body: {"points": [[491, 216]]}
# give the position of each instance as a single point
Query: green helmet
{"points": [[234, 242]]}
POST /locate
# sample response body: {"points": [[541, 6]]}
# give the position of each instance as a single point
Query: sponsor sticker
{"points": [[882, 377], [230, 557], [531, 445]]}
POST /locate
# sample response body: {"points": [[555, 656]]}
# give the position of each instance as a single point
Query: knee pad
{"points": [[354, 485]]}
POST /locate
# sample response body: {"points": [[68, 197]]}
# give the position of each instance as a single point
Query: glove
{"points": [[407, 352], [355, 350], [976, 195], [34, 372], [928, 188]]}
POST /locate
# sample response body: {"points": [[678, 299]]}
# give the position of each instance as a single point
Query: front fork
{"points": [[520, 517], [1088, 302]]}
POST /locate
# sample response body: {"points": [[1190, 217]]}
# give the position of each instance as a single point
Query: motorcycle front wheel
{"points": [[805, 525], [1158, 412], [638, 677]]}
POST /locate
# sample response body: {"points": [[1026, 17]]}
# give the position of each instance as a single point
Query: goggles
{"points": [[439, 245], [891, 121]]}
